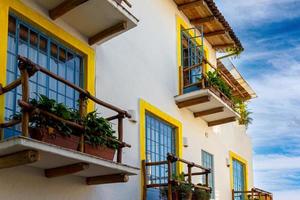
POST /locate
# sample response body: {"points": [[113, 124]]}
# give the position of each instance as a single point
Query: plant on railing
{"points": [[214, 79], [200, 194], [97, 130], [38, 120]]}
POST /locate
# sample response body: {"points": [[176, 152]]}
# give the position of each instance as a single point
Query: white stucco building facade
{"points": [[137, 70]]}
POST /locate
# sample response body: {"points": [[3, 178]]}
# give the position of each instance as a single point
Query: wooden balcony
{"points": [[209, 104], [172, 161], [253, 194], [96, 20], [54, 159]]}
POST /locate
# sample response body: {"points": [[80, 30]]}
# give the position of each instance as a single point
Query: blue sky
{"points": [[270, 33]]}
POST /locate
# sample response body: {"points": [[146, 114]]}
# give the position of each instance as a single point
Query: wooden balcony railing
{"points": [[202, 81], [254, 194], [171, 181], [28, 69]]}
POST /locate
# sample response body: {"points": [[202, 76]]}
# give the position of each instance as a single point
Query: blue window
{"points": [[238, 178], [192, 54], [208, 162], [44, 50], [160, 140]]}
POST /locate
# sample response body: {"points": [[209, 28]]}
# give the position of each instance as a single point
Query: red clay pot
{"points": [[100, 151], [49, 135]]}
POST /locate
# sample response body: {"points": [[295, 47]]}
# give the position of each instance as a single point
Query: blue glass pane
{"points": [[34, 45], [160, 140]]}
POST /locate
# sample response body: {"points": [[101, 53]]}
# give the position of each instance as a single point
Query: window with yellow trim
{"points": [[192, 53], [32, 42]]}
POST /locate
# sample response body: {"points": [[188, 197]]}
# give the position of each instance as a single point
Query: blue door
{"points": [[238, 179], [27, 41], [192, 54], [160, 140]]}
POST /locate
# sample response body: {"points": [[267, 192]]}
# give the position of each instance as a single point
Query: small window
{"points": [[208, 162]]}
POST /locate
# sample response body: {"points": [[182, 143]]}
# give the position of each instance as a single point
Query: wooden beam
{"points": [[106, 179], [222, 121], [190, 4], [107, 32], [209, 112], [222, 46], [200, 21], [214, 33], [65, 170], [19, 158], [192, 102], [64, 7]]}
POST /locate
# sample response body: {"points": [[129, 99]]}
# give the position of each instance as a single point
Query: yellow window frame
{"points": [[147, 107], [235, 156], [182, 24], [28, 14]]}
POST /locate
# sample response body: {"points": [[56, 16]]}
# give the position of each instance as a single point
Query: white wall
{"points": [[141, 63]]}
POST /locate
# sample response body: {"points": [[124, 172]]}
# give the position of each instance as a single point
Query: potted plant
{"points": [[201, 194], [99, 136], [46, 129], [182, 191]]}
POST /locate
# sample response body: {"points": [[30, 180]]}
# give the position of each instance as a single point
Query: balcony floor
{"points": [[52, 156], [213, 102]]}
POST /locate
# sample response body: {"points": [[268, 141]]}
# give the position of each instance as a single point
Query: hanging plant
{"points": [[242, 109]]}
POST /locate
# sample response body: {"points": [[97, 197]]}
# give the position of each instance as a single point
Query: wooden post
{"points": [[144, 174], [25, 97], [82, 112], [206, 180], [203, 76], [232, 191], [120, 138], [252, 194], [169, 179], [190, 173]]}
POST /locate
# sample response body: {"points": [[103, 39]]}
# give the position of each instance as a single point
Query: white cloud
{"points": [[250, 12]]}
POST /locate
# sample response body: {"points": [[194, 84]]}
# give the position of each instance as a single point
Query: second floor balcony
{"points": [[62, 141], [97, 21], [212, 94]]}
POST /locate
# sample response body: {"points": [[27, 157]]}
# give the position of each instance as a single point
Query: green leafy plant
{"points": [[215, 79], [201, 194], [242, 109], [98, 130], [183, 189], [38, 120]]}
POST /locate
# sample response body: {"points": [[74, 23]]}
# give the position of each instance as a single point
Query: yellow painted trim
{"points": [[234, 156], [147, 107], [42, 22], [181, 23]]}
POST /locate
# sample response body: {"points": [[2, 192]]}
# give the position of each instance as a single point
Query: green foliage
{"points": [[200, 194], [215, 79], [98, 129], [182, 187], [242, 109], [41, 121]]}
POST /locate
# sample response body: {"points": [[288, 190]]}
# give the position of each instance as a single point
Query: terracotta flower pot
{"points": [[49, 135], [182, 196], [100, 151]]}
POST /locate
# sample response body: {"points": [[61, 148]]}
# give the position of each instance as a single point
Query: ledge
{"points": [[205, 104], [97, 20], [53, 157]]}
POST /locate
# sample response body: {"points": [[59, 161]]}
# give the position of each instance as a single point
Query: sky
{"points": [[270, 33]]}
